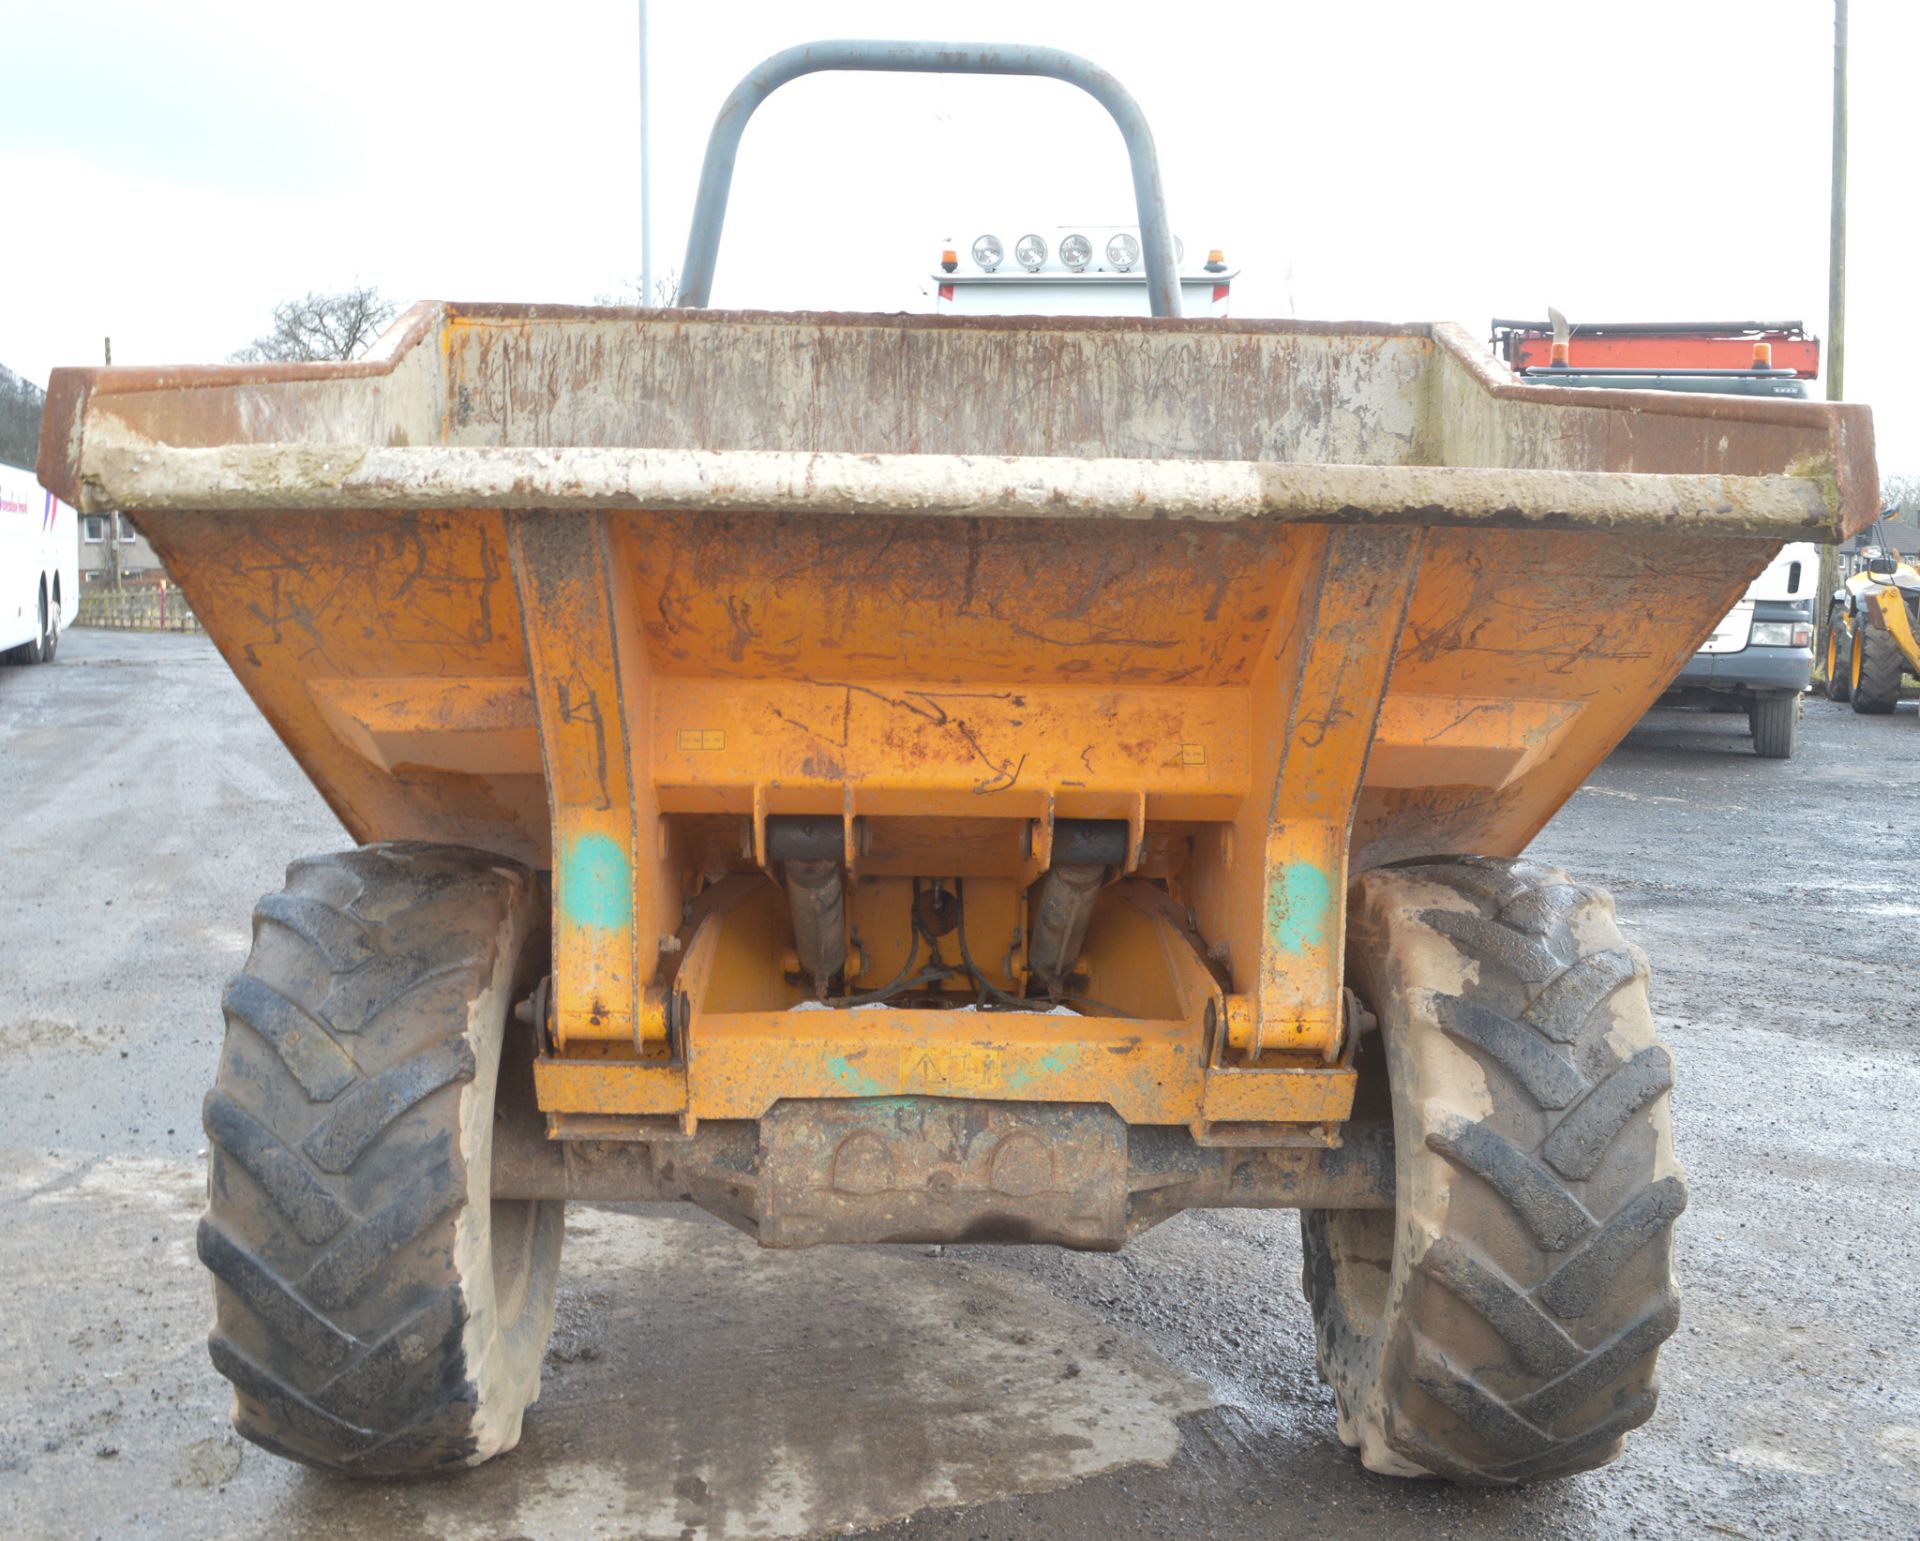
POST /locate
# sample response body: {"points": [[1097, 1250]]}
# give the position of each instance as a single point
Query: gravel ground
{"points": [[699, 1387]]}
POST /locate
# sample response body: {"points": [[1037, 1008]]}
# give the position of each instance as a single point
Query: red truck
{"points": [[1671, 350]]}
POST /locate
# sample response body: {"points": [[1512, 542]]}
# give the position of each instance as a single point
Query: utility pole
{"points": [[1836, 295], [1837, 232], [646, 171], [112, 538]]}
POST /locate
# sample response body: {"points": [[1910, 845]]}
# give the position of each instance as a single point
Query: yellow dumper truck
{"points": [[932, 778]]}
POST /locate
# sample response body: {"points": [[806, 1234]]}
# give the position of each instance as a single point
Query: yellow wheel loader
{"points": [[1873, 632], [929, 778]]}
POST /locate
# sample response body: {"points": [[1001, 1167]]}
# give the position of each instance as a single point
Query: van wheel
{"points": [[1501, 1324], [1877, 666], [1775, 721], [1839, 655], [376, 1310]]}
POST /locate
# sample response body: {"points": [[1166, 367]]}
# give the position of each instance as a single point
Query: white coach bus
{"points": [[39, 568]]}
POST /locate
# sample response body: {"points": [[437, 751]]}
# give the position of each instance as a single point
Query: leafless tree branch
{"points": [[1900, 490], [322, 326], [666, 292], [20, 405]]}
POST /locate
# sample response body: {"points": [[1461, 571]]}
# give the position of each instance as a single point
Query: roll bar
{"points": [[723, 144]]}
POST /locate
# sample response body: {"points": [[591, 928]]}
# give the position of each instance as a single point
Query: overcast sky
{"points": [[172, 170]]}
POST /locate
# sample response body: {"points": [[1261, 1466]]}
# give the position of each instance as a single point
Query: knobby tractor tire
{"points": [[1501, 1325], [1876, 684], [1775, 722], [376, 1311], [1839, 655]]}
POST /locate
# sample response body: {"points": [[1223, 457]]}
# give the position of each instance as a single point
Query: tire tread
{"points": [[312, 1055], [1881, 666], [309, 1205], [337, 1358], [1541, 1407]]}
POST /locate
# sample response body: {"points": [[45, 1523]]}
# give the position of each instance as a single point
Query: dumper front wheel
{"points": [[377, 1312], [1501, 1325]]}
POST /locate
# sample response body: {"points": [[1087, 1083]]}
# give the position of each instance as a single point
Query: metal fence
{"points": [[163, 608]]}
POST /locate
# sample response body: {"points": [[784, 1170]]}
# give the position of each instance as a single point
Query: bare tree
{"points": [[1900, 490], [321, 326], [666, 292], [21, 402]]}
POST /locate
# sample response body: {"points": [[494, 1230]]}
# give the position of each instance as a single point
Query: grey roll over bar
{"points": [[723, 144]]}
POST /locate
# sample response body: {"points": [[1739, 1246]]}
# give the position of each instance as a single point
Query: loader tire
{"points": [[1838, 655], [377, 1312], [1775, 724], [1501, 1324], [1876, 677]]}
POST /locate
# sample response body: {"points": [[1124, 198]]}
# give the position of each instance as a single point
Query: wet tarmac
{"points": [[699, 1387]]}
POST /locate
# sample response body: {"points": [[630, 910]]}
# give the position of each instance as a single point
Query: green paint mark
{"points": [[1299, 901], [1054, 1062], [596, 884], [854, 1081]]}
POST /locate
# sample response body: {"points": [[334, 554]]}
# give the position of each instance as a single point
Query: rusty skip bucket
{"points": [[649, 600]]}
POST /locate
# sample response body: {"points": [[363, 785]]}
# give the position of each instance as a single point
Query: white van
{"points": [[1760, 656]]}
